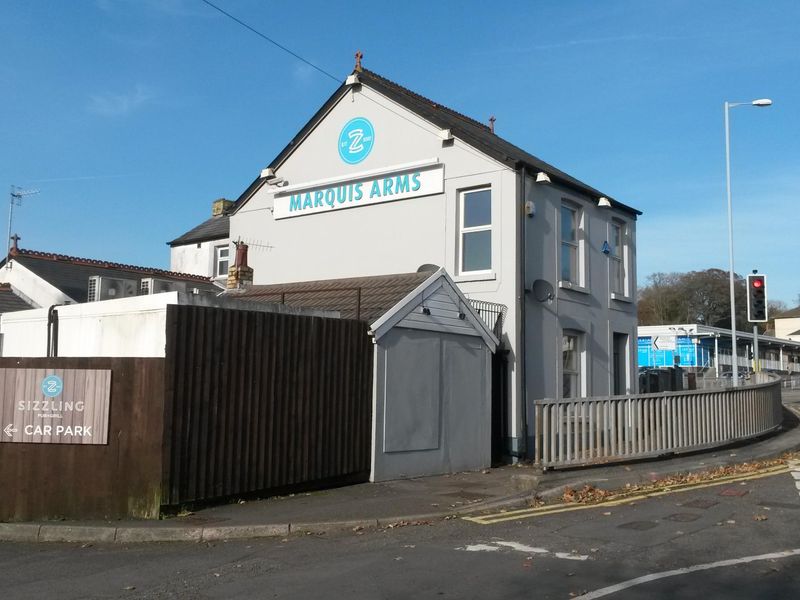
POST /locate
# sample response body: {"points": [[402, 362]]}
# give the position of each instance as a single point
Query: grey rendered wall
{"points": [[591, 311], [432, 404]]}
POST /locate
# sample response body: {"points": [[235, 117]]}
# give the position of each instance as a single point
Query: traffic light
{"points": [[757, 298]]}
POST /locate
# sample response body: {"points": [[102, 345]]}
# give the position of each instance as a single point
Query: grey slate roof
{"points": [[472, 132], [9, 301], [363, 298], [70, 274], [215, 228]]}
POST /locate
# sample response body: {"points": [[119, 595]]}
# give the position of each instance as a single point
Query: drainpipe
{"points": [[522, 346]]}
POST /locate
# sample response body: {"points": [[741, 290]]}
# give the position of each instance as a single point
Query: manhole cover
{"points": [[638, 525], [734, 492], [683, 517], [700, 503]]}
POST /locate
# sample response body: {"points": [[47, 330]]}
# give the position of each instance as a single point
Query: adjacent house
{"points": [[44, 279], [205, 249], [788, 325]]}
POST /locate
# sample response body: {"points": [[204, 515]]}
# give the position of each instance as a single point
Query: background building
{"points": [[709, 349], [788, 325]]}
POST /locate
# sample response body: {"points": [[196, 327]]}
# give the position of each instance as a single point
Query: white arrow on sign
{"points": [[664, 343], [10, 429]]}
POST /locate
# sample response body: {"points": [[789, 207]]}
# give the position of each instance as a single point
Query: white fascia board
{"points": [[435, 129], [276, 168]]}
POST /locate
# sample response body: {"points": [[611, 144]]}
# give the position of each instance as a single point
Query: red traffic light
{"points": [[757, 283]]}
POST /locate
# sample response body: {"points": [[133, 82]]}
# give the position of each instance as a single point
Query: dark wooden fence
{"points": [[261, 401], [244, 402], [123, 477]]}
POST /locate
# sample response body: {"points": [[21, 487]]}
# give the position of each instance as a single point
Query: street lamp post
{"points": [[728, 105]]}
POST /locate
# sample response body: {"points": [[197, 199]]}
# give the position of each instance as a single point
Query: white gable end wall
{"points": [[390, 237], [32, 287]]}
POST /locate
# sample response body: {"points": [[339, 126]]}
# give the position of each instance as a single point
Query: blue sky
{"points": [[131, 116]]}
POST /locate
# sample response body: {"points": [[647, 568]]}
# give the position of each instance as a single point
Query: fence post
{"points": [[538, 433]]}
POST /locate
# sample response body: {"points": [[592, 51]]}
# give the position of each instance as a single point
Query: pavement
{"points": [[403, 502]]}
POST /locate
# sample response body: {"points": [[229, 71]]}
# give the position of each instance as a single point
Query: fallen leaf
{"points": [[760, 518]]}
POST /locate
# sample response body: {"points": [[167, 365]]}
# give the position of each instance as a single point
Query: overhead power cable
{"points": [[271, 41]]}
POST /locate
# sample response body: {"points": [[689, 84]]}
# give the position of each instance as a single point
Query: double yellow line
{"points": [[619, 499]]}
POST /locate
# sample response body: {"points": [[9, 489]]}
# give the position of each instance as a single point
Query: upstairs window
{"points": [[221, 260], [570, 245], [476, 231], [616, 257]]}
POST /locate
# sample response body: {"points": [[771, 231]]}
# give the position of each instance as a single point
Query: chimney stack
{"points": [[220, 206], [240, 275]]}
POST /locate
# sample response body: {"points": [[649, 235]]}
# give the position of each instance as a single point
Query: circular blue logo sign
{"points": [[356, 140], [52, 386]]}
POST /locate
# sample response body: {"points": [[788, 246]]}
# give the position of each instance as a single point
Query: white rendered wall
{"points": [[198, 259], [133, 327], [391, 237], [784, 328], [32, 287]]}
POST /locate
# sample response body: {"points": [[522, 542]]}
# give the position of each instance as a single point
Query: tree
{"points": [[775, 308], [694, 297]]}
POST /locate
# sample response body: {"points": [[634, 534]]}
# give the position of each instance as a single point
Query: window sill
{"points": [[568, 285], [621, 298], [476, 276]]}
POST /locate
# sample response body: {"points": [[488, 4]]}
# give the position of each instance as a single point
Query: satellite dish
{"points": [[542, 290], [427, 268]]}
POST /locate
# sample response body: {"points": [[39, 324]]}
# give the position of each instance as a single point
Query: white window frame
{"points": [[580, 372], [462, 231], [220, 259], [577, 280], [619, 260]]}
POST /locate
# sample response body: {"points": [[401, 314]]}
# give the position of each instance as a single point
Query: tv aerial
{"points": [[15, 197]]}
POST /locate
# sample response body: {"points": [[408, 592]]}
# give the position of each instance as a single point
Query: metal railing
{"points": [[492, 313], [584, 431]]}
